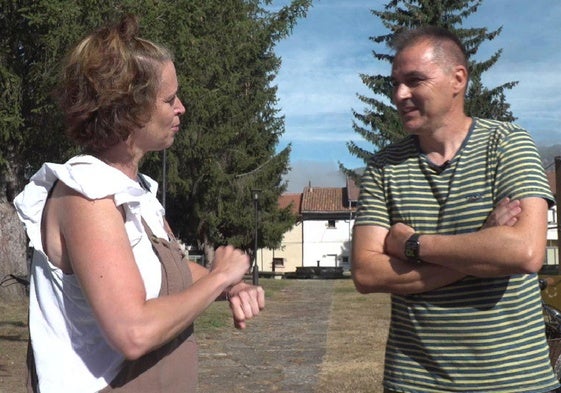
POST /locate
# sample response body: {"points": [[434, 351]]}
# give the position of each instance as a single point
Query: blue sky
{"points": [[322, 59]]}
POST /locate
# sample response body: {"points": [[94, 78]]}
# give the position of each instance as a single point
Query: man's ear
{"points": [[460, 79]]}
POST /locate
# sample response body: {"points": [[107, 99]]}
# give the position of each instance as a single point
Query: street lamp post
{"points": [[255, 267]]}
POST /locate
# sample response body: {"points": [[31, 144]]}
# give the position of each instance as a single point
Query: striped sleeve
{"points": [[520, 173]]}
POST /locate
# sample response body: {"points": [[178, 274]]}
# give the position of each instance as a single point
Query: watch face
{"points": [[409, 251], [412, 249]]}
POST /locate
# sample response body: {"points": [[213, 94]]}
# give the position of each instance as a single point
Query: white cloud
{"points": [[535, 101], [314, 173]]}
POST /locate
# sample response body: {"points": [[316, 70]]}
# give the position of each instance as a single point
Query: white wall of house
{"points": [[552, 250], [326, 242], [552, 223]]}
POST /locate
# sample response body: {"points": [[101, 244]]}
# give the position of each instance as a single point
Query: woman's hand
{"points": [[231, 262], [246, 301]]}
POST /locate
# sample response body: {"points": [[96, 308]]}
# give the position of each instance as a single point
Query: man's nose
{"points": [[401, 91]]}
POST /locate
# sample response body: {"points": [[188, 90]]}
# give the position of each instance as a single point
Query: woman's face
{"points": [[159, 132]]}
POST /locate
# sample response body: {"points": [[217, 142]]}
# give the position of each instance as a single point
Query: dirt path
{"points": [[315, 336], [281, 351], [13, 346]]}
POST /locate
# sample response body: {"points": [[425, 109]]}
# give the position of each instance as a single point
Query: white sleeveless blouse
{"points": [[71, 353]]}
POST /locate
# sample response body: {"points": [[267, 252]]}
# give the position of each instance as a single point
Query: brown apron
{"points": [[173, 367]]}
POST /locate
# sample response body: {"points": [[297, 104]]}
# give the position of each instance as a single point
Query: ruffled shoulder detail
{"points": [[92, 178]]}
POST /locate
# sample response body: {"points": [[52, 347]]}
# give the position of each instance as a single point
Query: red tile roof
{"points": [[324, 200], [286, 200]]}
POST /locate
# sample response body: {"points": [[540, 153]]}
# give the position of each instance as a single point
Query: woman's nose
{"points": [[180, 107]]}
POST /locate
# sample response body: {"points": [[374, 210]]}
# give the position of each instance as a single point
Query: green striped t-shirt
{"points": [[478, 334]]}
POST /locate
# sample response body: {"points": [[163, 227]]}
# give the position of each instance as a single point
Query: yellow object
{"points": [[552, 293]]}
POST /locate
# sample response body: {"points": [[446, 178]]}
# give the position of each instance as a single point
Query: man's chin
{"points": [[411, 128]]}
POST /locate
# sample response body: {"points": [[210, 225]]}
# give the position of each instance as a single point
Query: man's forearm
{"points": [[373, 270], [491, 252]]}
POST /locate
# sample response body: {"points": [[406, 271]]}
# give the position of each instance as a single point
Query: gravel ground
{"points": [[280, 351]]}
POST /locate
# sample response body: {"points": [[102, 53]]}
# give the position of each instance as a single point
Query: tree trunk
{"points": [[209, 254], [14, 267]]}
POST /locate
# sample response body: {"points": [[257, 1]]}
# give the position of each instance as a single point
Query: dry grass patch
{"points": [[356, 339], [13, 346], [219, 316]]}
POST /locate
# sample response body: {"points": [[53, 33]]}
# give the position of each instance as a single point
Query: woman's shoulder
{"points": [[94, 179]]}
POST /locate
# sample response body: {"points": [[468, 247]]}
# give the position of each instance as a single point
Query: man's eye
{"points": [[413, 82]]}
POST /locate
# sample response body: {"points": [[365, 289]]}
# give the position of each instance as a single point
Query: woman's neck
{"points": [[121, 158]]}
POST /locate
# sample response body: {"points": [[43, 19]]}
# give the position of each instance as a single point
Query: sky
{"points": [[322, 60]]}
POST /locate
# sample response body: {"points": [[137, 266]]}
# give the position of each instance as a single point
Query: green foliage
{"points": [[30, 127], [216, 316], [226, 67], [379, 124]]}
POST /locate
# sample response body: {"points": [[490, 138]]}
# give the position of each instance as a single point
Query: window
{"points": [[551, 256], [278, 262], [331, 223]]}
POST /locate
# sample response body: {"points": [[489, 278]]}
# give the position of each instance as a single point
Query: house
{"points": [[321, 236], [327, 223], [552, 246], [288, 256]]}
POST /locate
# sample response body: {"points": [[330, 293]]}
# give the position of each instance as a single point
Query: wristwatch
{"points": [[412, 248]]}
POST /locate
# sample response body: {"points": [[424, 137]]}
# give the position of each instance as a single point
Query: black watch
{"points": [[412, 248]]}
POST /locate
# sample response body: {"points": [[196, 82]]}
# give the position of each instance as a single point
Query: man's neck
{"points": [[442, 144]]}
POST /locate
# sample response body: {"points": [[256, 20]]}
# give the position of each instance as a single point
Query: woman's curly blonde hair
{"points": [[109, 85]]}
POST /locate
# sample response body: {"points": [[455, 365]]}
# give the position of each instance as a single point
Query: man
{"points": [[452, 222]]}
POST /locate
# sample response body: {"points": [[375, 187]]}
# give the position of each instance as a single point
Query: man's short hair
{"points": [[447, 46]]}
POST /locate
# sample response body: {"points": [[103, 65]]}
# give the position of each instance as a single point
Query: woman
{"points": [[112, 303]]}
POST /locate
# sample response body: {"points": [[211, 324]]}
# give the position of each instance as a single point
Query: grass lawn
{"points": [[354, 347]]}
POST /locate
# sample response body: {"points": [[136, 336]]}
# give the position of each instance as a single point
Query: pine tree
{"points": [[225, 62], [379, 124], [32, 42], [231, 128]]}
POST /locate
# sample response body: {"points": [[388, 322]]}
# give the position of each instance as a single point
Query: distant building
{"points": [[552, 247], [323, 232], [288, 256]]}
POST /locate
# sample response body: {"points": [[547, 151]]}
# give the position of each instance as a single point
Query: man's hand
{"points": [[395, 241], [505, 213]]}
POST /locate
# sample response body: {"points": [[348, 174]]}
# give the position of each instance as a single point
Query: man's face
{"points": [[423, 89]]}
